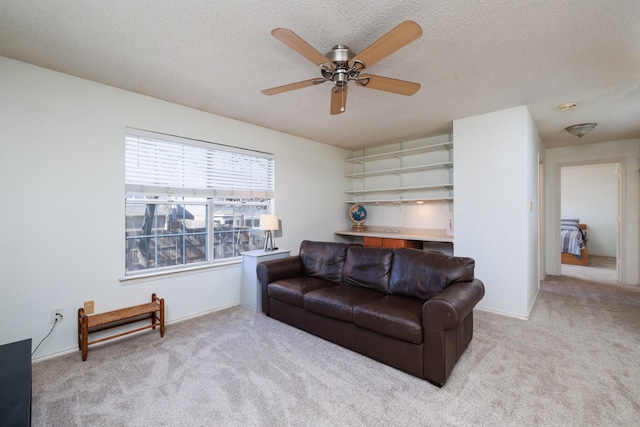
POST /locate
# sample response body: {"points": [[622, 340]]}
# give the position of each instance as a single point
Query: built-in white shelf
{"points": [[400, 189], [403, 178], [399, 201], [400, 170], [401, 153]]}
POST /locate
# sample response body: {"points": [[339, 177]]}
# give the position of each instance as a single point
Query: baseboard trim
{"points": [[501, 313], [535, 300]]}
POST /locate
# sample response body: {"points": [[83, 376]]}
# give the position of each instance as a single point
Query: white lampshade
{"points": [[269, 222]]}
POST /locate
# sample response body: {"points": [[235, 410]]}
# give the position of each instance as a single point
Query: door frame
{"points": [[621, 220]]}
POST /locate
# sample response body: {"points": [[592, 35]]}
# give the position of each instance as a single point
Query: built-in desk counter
{"points": [[428, 239]]}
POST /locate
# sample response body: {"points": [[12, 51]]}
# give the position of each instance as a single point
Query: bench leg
{"points": [[80, 314], [161, 317], [85, 337], [154, 317]]}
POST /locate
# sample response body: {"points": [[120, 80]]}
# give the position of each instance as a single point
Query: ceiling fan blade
{"points": [[338, 99], [294, 41], [292, 86], [394, 40], [388, 84]]}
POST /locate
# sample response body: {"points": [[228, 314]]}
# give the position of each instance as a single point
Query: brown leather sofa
{"points": [[407, 308]]}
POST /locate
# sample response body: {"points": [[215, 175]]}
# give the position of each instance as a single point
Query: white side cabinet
{"points": [[251, 294]]}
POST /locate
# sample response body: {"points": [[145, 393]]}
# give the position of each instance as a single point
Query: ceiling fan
{"points": [[341, 65]]}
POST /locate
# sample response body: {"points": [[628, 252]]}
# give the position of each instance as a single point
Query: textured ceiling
{"points": [[474, 57]]}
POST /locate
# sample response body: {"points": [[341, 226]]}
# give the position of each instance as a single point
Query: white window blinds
{"points": [[158, 164]]}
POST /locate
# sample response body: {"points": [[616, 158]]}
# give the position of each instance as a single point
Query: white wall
{"points": [[626, 152], [62, 200], [590, 193], [495, 209]]}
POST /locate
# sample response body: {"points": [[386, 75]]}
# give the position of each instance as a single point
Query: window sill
{"points": [[146, 277]]}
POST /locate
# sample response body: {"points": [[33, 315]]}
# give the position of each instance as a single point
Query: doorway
{"points": [[592, 193]]}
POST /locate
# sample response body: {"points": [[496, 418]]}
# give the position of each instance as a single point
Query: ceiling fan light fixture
{"points": [[580, 130]]}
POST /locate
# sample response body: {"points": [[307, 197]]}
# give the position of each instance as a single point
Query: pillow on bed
{"points": [[570, 224]]}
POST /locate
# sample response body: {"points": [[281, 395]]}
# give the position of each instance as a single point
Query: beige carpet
{"points": [[597, 281], [574, 363], [600, 269]]}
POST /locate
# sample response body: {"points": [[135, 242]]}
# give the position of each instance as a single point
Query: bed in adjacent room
{"points": [[573, 237]]}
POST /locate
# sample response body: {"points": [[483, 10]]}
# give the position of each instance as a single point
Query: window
{"points": [[191, 202]]}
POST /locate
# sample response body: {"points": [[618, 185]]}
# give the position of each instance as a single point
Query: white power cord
{"points": [[58, 317]]}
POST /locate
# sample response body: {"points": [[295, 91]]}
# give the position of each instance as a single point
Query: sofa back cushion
{"points": [[424, 274], [368, 267], [324, 260]]}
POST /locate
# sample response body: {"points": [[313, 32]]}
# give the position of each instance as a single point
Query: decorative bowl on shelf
{"points": [[357, 215]]}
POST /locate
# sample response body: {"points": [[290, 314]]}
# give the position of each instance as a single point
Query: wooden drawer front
{"points": [[372, 241], [380, 242], [394, 243]]}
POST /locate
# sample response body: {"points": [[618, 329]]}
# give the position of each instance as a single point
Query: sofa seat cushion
{"points": [[395, 316], [337, 302], [293, 290]]}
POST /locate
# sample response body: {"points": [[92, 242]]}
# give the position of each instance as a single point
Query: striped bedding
{"points": [[572, 241], [573, 237]]}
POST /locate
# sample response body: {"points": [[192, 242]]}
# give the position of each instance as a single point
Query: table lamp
{"points": [[269, 223]]}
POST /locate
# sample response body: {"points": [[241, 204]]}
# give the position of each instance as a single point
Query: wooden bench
{"points": [[97, 322]]}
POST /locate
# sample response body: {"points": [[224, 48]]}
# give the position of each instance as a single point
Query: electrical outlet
{"points": [[56, 313], [88, 307]]}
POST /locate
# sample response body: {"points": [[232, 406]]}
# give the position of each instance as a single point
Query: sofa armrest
{"points": [[277, 269], [446, 310]]}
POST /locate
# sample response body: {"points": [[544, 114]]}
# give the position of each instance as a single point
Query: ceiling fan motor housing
{"points": [[340, 55]]}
